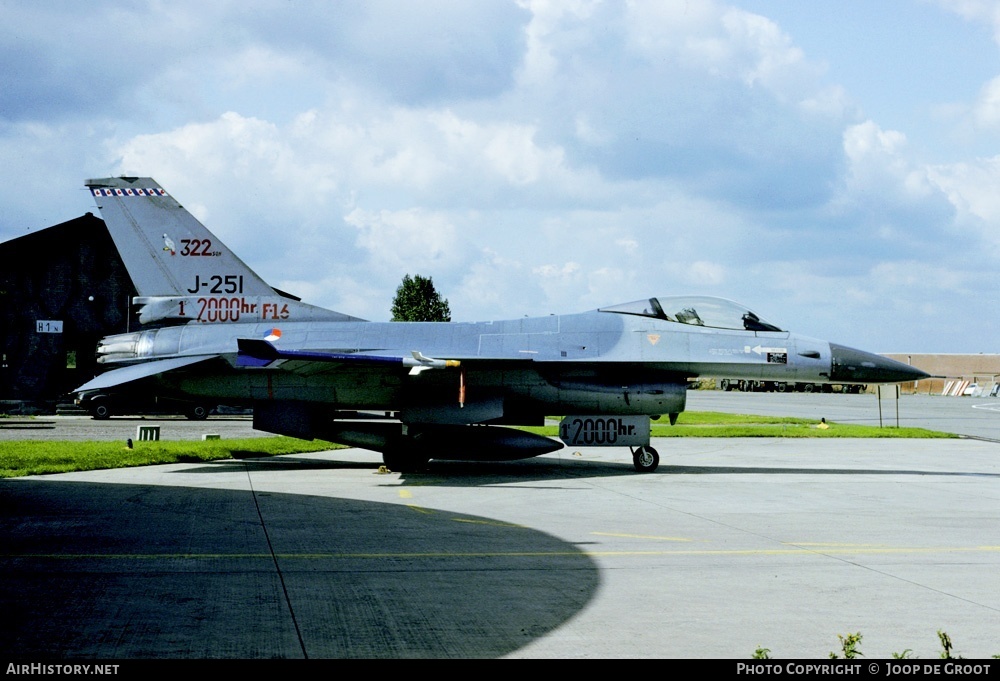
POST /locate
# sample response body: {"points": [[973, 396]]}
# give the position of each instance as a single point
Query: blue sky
{"points": [[833, 165]]}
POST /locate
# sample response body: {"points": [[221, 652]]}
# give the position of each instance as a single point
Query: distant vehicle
{"points": [[103, 405], [787, 386]]}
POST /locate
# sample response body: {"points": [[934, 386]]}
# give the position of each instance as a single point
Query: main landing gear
{"points": [[405, 460], [645, 459]]}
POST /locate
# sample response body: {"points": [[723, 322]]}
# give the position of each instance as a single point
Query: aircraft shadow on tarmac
{"points": [[108, 571], [474, 473]]}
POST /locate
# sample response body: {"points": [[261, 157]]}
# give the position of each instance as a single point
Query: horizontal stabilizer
{"points": [[116, 377]]}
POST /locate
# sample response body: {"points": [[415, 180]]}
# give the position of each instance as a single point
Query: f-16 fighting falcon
{"points": [[214, 331]]}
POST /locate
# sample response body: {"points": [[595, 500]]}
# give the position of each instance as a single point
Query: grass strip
{"points": [[35, 457]]}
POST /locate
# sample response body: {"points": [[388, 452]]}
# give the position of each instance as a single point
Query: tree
{"points": [[417, 301]]}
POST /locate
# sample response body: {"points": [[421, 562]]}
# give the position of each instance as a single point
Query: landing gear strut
{"points": [[645, 459]]}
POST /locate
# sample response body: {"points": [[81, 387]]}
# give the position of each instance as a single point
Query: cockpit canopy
{"points": [[717, 313]]}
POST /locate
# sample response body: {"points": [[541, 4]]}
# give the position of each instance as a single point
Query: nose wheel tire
{"points": [[645, 459]]}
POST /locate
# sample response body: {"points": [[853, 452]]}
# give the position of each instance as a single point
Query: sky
{"points": [[833, 165]]}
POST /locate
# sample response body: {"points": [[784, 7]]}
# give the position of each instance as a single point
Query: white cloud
{"points": [[406, 242], [724, 42], [972, 189], [705, 273], [986, 110], [879, 165], [984, 11], [491, 287], [532, 157]]}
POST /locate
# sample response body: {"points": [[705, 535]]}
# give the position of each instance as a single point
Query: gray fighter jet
{"points": [[215, 331]]}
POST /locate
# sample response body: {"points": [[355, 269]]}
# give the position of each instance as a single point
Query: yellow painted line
{"points": [[800, 552], [505, 554], [640, 536], [492, 523], [289, 556], [405, 494], [833, 544]]}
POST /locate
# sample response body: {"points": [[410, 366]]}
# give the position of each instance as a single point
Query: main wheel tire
{"points": [[645, 459], [404, 460], [198, 412]]}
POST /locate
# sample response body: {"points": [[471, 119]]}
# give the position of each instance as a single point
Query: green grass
{"points": [[714, 424], [34, 457], [37, 457]]}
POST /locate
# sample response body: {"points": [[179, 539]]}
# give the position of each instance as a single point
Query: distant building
{"points": [[61, 290], [957, 375]]}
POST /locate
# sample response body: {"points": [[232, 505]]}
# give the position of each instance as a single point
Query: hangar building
{"points": [[61, 290]]}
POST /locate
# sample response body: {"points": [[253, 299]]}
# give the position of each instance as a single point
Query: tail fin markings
{"points": [[181, 270]]}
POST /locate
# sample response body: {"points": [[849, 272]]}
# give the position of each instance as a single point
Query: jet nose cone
{"points": [[848, 365]]}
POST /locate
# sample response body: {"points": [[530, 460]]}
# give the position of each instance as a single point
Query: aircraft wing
{"points": [[258, 352], [116, 377]]}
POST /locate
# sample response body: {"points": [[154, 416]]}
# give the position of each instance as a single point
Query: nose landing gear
{"points": [[645, 459]]}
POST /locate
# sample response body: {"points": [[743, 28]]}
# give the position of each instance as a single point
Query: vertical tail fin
{"points": [[181, 270], [166, 251]]}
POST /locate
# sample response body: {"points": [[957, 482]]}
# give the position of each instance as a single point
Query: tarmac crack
{"points": [[277, 565]]}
